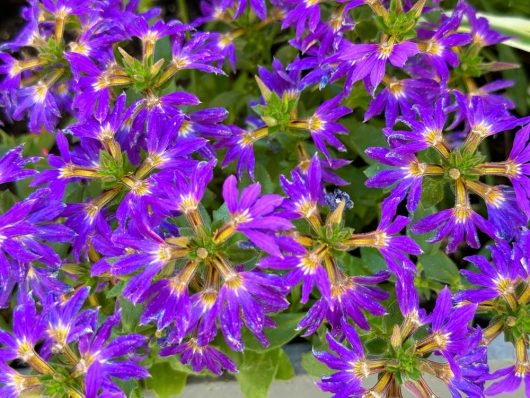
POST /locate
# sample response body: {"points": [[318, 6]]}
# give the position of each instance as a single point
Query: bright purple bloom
{"points": [[496, 279], [200, 357], [393, 247], [199, 52], [254, 215], [147, 250], [349, 296], [510, 380], [481, 32], [280, 80], [305, 13], [343, 383], [399, 97], [473, 371], [305, 268], [517, 168], [323, 125], [27, 222], [57, 178], [406, 175], [450, 324], [426, 129], [93, 85], [486, 120], [40, 105], [65, 322], [504, 212], [240, 146], [438, 45], [100, 358], [253, 295], [457, 224], [305, 191], [12, 166], [149, 35], [191, 191], [369, 60], [28, 330]]}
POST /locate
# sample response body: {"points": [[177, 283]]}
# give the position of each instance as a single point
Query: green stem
{"points": [[183, 11]]}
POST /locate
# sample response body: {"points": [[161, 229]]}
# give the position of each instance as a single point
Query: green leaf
{"points": [[165, 381], [7, 199], [221, 214], [116, 290], [285, 369], [130, 314], [440, 267], [432, 192], [372, 259], [362, 136], [351, 265], [257, 371], [284, 332], [314, 367]]}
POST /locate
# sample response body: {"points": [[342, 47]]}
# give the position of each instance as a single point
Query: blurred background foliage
{"points": [[235, 92]]}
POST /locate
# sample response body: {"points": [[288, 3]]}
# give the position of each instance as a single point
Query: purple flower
{"points": [[304, 13], [399, 97], [408, 300], [472, 364], [254, 215], [307, 268], [253, 295], [406, 175], [437, 46], [486, 120], [93, 85], [305, 191], [481, 32], [199, 52], [28, 330], [200, 357], [458, 224], [149, 35], [12, 166], [426, 130], [369, 60], [240, 146], [12, 383], [504, 212], [280, 80], [23, 227], [100, 358], [448, 332], [510, 380], [66, 168], [191, 191], [146, 250], [66, 323], [496, 279], [40, 105], [393, 247], [168, 302], [323, 125], [349, 296], [104, 130], [517, 168], [350, 364]]}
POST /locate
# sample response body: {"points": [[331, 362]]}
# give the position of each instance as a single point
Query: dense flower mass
{"points": [[174, 207]]}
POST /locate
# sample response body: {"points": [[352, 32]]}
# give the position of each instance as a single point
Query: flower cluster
{"points": [[175, 203]]}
